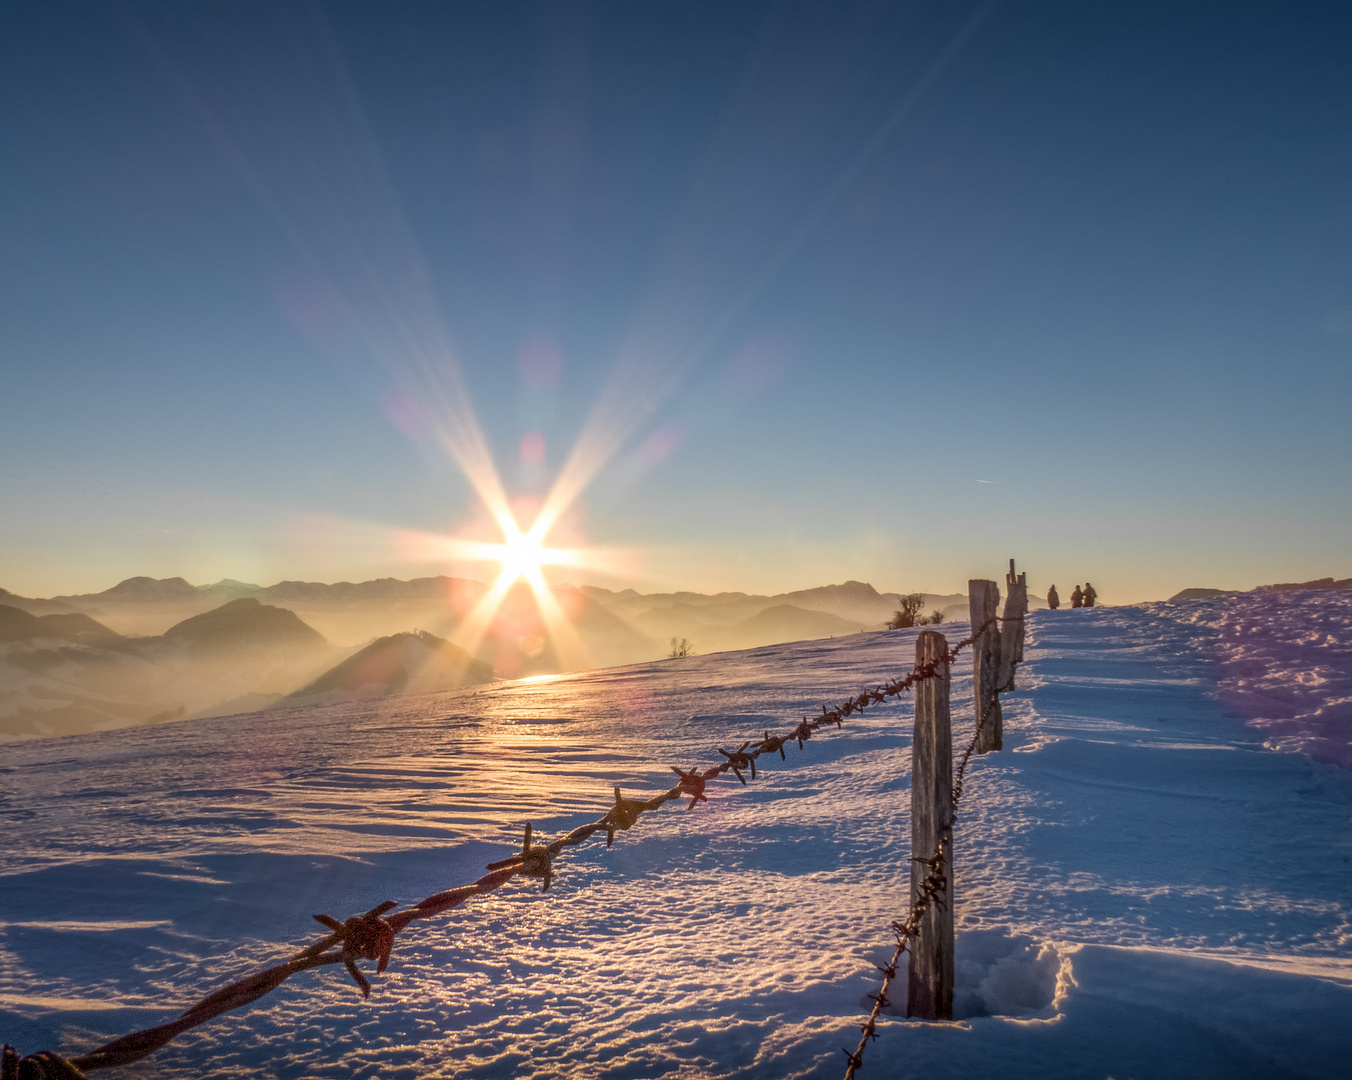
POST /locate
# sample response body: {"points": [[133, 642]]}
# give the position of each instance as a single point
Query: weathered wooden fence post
{"points": [[983, 598], [929, 988], [1011, 633]]}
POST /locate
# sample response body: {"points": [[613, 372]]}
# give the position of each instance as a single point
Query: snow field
{"points": [[1143, 889]]}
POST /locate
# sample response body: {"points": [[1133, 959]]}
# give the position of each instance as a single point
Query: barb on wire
{"points": [[371, 936], [771, 744], [363, 936], [739, 759], [692, 784], [44, 1065], [622, 815], [534, 861]]}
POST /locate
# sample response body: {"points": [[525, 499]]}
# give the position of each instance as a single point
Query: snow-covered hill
{"points": [[1143, 889]]}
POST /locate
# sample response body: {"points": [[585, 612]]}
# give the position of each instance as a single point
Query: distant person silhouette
{"points": [[1053, 601], [1077, 598], [1089, 595]]}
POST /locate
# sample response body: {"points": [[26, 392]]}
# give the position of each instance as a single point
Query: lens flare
{"points": [[522, 556]]}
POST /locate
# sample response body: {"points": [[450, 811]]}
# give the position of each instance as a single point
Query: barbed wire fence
{"points": [[933, 888], [370, 936], [996, 660]]}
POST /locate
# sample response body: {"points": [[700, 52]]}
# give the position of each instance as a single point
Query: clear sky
{"points": [[880, 291]]}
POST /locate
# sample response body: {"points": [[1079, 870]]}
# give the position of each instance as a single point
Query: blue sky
{"points": [[889, 292]]}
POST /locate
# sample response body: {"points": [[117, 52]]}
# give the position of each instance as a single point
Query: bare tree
{"points": [[680, 647], [936, 617], [911, 604]]}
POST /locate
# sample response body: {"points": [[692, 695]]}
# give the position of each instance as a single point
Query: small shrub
{"points": [[910, 608], [936, 617]]}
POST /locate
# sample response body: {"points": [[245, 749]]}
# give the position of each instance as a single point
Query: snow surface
{"points": [[1144, 889], [1285, 665]]}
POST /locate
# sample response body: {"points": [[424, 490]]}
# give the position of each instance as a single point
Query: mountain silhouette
{"points": [[142, 589], [245, 623], [401, 663], [1307, 586], [34, 607], [785, 622], [1198, 594], [428, 588], [19, 625]]}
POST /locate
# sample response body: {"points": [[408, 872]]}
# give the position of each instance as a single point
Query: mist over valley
{"points": [[151, 650]]}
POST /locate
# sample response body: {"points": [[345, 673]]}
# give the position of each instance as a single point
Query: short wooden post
{"points": [[983, 599], [1011, 633], [929, 987]]}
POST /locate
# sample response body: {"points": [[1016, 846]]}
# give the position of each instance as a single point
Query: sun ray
{"points": [[568, 645], [358, 251], [469, 635]]}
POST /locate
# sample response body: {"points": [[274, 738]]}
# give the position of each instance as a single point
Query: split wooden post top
{"points": [[1011, 629], [983, 601]]}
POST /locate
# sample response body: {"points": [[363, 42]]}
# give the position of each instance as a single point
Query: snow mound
{"points": [[1001, 974], [996, 973]]}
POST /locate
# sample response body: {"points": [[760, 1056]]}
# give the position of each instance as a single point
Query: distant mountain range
{"points": [[66, 673], [238, 624], [149, 650], [152, 649], [734, 620], [617, 627], [1318, 584], [1305, 586]]}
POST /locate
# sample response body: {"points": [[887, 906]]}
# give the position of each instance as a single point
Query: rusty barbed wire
{"points": [[371, 936]]}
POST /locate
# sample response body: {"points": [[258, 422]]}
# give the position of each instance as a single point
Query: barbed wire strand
{"points": [[371, 936]]}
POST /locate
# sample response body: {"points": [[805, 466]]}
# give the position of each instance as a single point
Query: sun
{"points": [[522, 554]]}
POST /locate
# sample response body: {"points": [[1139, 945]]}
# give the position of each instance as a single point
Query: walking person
{"points": [[1089, 595], [1053, 600], [1077, 598]]}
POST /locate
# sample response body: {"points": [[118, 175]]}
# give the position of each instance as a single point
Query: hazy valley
{"points": [[150, 650]]}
